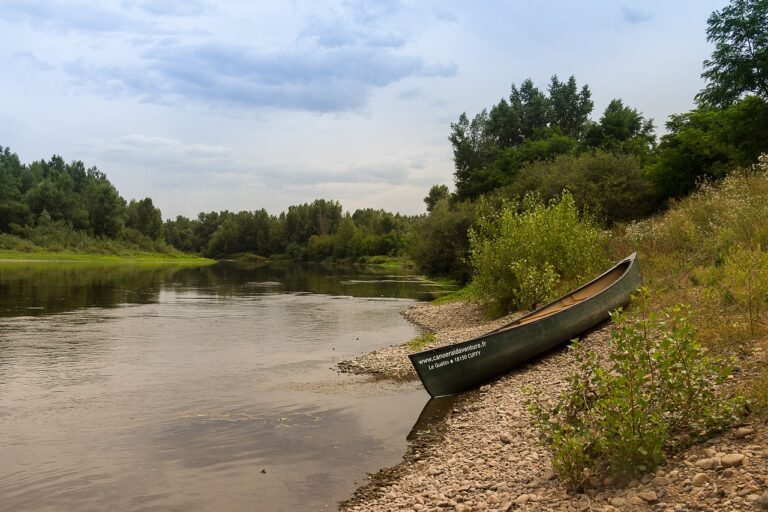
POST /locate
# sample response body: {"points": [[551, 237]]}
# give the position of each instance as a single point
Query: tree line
{"points": [[309, 231], [543, 141], [49, 200]]}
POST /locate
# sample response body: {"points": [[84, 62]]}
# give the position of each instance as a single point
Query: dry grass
{"points": [[707, 251]]}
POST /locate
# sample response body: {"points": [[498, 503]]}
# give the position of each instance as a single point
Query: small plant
{"points": [[421, 342], [658, 391]]}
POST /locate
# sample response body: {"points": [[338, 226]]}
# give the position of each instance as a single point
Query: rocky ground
{"points": [[485, 454]]}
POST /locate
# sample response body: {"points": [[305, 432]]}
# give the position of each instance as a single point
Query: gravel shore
{"points": [[485, 454]]}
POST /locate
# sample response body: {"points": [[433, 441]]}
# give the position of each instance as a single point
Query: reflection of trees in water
{"points": [[46, 288], [233, 279]]}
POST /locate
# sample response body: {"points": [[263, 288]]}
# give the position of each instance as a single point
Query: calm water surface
{"points": [[163, 388]]}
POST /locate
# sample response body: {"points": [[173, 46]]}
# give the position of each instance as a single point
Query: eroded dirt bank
{"points": [[485, 455]]}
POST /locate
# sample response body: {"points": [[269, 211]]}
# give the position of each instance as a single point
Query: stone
{"points": [[743, 432], [763, 500], [700, 479], [660, 481], [618, 502], [648, 496], [706, 464], [522, 499], [732, 460]]}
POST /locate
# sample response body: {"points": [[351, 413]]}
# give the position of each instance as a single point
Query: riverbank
{"points": [[130, 257], [485, 455]]}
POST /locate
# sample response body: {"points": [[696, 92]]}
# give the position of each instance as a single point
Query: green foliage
{"points": [[320, 217], [223, 234], [612, 186], [421, 342], [623, 130], [522, 258], [658, 391], [707, 143], [739, 63], [436, 193], [439, 244], [530, 125], [145, 218]]}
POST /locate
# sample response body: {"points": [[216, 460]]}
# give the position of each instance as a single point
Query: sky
{"points": [[241, 105]]}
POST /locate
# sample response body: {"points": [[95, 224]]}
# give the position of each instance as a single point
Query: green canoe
{"points": [[461, 366]]}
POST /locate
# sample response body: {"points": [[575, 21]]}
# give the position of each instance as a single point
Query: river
{"points": [[155, 387]]}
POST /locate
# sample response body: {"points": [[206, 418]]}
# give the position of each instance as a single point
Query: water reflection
{"points": [[433, 413], [168, 388], [34, 289]]}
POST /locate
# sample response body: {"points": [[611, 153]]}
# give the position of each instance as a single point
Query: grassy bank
{"points": [[59, 242], [127, 257]]}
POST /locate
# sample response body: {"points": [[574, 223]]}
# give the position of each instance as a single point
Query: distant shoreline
{"points": [[74, 257]]}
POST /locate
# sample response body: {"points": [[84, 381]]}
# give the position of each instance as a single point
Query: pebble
{"points": [[648, 497], [699, 479], [706, 463], [732, 460]]}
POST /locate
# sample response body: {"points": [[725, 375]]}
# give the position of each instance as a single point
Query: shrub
{"points": [[658, 391], [523, 258]]}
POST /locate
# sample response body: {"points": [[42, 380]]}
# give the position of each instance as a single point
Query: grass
{"points": [[421, 342], [388, 262], [464, 294], [128, 257]]}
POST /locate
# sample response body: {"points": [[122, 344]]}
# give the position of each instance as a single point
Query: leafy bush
{"points": [[523, 258], [659, 390]]}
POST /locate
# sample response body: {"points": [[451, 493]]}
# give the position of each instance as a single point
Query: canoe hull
{"points": [[462, 366]]}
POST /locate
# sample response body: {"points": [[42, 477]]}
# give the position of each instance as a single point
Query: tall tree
{"points": [[622, 129], [739, 63], [570, 107], [436, 193], [144, 217], [13, 211]]}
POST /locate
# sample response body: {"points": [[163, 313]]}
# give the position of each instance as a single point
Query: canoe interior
{"points": [[585, 292]]}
